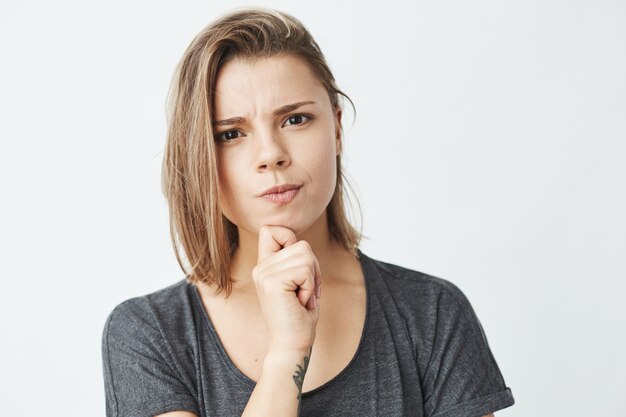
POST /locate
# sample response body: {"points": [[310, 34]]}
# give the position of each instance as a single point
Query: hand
{"points": [[287, 277]]}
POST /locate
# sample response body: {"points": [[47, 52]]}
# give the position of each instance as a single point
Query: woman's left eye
{"points": [[297, 119]]}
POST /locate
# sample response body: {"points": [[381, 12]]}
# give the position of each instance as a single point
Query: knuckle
{"points": [[304, 245]]}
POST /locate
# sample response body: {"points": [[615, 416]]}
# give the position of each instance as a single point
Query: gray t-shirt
{"points": [[423, 352]]}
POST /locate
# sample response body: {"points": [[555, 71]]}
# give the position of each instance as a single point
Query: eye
{"points": [[227, 136], [297, 119]]}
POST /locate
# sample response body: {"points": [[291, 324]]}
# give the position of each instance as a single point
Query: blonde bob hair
{"points": [[198, 227]]}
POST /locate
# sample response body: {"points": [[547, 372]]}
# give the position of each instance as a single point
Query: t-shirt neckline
{"points": [[363, 259]]}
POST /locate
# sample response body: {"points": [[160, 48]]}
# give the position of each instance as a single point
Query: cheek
{"points": [[323, 166]]}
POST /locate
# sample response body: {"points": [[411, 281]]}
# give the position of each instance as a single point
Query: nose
{"points": [[271, 151]]}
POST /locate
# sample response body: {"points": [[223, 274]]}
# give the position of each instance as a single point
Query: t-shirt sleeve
{"points": [[462, 378], [140, 378]]}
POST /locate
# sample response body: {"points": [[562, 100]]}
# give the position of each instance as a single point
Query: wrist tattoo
{"points": [[298, 377]]}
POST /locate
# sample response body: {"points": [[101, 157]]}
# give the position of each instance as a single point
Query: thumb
{"points": [[272, 239]]}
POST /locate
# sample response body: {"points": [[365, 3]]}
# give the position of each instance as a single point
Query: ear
{"points": [[338, 138]]}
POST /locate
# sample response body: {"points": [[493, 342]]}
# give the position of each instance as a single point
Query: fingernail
{"points": [[318, 294], [314, 301]]}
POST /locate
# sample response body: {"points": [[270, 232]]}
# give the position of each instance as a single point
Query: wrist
{"points": [[286, 359], [279, 356]]}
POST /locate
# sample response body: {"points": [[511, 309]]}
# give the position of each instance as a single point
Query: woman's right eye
{"points": [[227, 136]]}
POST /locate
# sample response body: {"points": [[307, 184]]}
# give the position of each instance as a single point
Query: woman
{"points": [[252, 174]]}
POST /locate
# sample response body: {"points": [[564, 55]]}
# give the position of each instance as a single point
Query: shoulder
{"points": [[155, 311], [148, 354], [450, 344], [432, 308], [416, 287]]}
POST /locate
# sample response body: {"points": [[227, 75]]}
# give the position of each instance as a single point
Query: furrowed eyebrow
{"points": [[291, 107], [227, 122], [281, 110]]}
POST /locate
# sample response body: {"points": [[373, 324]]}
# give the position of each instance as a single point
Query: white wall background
{"points": [[488, 149]]}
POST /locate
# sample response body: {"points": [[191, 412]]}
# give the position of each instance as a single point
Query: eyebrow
{"points": [[281, 110]]}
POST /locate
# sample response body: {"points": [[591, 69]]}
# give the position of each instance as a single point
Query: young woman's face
{"points": [[274, 124]]}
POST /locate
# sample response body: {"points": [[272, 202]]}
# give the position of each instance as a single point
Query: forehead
{"points": [[262, 84]]}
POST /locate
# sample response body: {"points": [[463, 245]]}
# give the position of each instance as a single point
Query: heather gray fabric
{"points": [[423, 352]]}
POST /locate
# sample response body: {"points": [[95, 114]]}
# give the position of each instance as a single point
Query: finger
{"points": [[298, 279], [289, 257], [312, 303], [272, 239]]}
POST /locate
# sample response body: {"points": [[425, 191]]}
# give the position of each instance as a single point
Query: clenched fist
{"points": [[287, 279]]}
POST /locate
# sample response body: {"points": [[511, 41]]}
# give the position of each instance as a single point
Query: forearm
{"points": [[278, 391]]}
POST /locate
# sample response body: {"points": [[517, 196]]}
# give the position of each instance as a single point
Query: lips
{"points": [[280, 189]]}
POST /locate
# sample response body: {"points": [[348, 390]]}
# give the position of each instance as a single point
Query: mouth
{"points": [[279, 189], [281, 194]]}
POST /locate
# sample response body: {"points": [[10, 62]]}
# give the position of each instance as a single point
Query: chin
{"points": [[297, 225]]}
